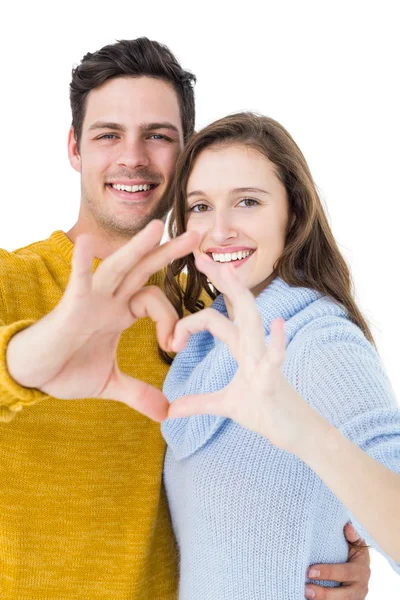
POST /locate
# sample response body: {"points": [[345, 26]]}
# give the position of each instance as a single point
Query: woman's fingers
{"points": [[216, 273], [151, 302], [207, 319], [277, 343], [246, 315]]}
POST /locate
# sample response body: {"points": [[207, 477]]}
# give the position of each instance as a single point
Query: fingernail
{"points": [[313, 573], [309, 593]]}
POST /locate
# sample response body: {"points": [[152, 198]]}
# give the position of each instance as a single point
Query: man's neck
{"points": [[104, 242]]}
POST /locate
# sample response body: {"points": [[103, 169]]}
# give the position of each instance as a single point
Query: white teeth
{"points": [[131, 188], [228, 257]]}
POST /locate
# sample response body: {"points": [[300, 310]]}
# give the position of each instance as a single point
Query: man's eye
{"points": [[248, 202], [160, 136], [199, 208], [107, 136]]}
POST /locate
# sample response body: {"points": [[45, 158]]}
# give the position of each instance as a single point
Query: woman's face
{"points": [[240, 207]]}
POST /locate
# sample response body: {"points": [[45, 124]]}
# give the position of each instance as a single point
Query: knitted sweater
{"points": [[250, 518], [82, 510]]}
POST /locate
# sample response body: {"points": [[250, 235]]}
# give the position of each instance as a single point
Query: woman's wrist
{"points": [[312, 433]]}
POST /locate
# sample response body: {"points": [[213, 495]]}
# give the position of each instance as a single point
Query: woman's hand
{"points": [[259, 397]]}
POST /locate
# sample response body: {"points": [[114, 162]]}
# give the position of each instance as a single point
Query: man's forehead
{"points": [[134, 102]]}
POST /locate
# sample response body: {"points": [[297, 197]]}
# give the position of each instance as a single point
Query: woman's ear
{"points": [[291, 222]]}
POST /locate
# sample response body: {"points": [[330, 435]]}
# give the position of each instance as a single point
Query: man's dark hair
{"points": [[136, 58]]}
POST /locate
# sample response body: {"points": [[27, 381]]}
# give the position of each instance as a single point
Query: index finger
{"points": [[115, 267], [247, 317], [155, 260]]}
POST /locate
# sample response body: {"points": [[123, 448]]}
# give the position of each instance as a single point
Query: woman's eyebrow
{"points": [[233, 191], [196, 193], [249, 189]]}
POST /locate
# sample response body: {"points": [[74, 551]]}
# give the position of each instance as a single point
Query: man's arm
{"points": [[353, 575], [71, 352]]}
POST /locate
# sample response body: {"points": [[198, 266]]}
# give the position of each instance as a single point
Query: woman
{"points": [[289, 446]]}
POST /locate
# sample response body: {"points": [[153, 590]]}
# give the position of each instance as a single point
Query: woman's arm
{"points": [[275, 409], [367, 488]]}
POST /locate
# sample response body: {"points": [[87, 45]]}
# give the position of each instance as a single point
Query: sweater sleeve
{"points": [[347, 384], [13, 397]]}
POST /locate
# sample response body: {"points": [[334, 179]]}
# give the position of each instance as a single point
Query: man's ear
{"points": [[73, 153]]}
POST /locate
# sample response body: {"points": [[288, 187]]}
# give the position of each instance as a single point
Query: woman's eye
{"points": [[249, 202], [199, 208]]}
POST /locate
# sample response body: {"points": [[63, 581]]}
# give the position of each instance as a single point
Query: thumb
{"points": [[351, 534], [199, 404], [139, 395]]}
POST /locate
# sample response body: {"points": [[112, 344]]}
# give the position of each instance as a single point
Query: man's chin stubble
{"points": [[126, 228]]}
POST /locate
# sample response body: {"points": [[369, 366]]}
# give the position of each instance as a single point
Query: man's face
{"points": [[131, 138]]}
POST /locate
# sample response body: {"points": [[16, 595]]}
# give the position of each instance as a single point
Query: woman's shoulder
{"points": [[327, 322], [309, 316], [335, 367]]}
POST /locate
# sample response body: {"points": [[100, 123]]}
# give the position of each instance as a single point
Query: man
{"points": [[83, 512]]}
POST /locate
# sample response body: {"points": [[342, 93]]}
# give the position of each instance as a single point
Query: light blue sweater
{"points": [[250, 518]]}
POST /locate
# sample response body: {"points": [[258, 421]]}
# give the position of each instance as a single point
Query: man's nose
{"points": [[134, 154]]}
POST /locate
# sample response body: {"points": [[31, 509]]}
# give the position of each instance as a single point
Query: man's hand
{"points": [[71, 352], [353, 575]]}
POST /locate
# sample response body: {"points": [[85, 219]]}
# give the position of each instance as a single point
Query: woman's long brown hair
{"points": [[311, 257]]}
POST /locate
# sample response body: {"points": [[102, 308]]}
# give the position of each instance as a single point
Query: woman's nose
{"points": [[224, 227]]}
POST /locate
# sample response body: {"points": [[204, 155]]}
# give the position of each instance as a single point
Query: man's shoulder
{"points": [[20, 256]]}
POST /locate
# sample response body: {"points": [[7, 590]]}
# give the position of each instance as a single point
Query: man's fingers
{"points": [[343, 573], [155, 260], [211, 320], [81, 275], [152, 302], [115, 267], [351, 534], [316, 592], [138, 395], [360, 555], [201, 404]]}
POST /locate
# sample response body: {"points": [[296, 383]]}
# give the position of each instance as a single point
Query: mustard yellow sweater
{"points": [[83, 512]]}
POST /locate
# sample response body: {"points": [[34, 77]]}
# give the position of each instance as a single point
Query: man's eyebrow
{"points": [[160, 125], [106, 125], [233, 191], [144, 126]]}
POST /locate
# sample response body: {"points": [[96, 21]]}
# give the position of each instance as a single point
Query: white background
{"points": [[328, 71]]}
